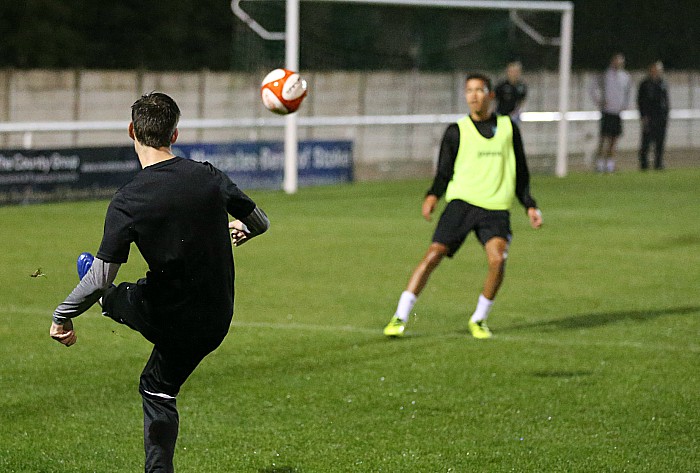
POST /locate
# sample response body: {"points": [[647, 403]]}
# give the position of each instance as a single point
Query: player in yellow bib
{"points": [[481, 168]]}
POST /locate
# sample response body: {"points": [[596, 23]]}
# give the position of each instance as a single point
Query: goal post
{"points": [[291, 128], [291, 38]]}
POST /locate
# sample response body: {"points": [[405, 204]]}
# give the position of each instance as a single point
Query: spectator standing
{"points": [[611, 93], [511, 92], [653, 103]]}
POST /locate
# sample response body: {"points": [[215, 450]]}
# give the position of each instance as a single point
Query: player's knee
{"points": [[151, 385], [497, 260], [435, 254]]}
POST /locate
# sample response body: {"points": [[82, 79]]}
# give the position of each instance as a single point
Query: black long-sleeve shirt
{"points": [[487, 129], [652, 99], [176, 212], [509, 96]]}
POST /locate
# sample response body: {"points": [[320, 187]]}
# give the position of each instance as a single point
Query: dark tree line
{"points": [[127, 34], [204, 34]]}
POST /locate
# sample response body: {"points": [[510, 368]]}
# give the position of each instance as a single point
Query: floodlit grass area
{"points": [[593, 367]]}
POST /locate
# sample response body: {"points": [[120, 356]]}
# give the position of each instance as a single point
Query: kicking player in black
{"points": [[176, 212], [481, 169]]}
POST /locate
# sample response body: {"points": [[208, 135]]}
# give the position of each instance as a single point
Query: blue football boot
{"points": [[84, 264]]}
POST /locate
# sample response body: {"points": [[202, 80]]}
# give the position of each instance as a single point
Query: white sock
{"points": [[406, 302], [610, 165], [483, 307]]}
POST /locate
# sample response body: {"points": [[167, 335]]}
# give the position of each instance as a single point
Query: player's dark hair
{"points": [[155, 117], [482, 77]]}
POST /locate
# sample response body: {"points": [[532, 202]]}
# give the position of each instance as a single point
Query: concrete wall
{"points": [[37, 95]]}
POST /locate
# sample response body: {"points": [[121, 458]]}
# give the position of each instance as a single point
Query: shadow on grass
{"points": [[561, 374], [675, 242], [602, 318], [279, 469]]}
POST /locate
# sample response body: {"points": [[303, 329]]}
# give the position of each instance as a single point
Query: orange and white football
{"points": [[282, 91]]}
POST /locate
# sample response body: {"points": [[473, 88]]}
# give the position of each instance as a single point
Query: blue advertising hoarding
{"points": [[260, 164], [28, 176]]}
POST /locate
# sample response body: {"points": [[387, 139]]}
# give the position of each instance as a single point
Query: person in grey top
{"points": [[611, 92]]}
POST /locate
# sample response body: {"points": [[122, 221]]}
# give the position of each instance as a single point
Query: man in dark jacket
{"points": [[652, 100]]}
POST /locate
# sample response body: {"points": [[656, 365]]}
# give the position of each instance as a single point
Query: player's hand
{"points": [[535, 216], [63, 333], [429, 206], [239, 232]]}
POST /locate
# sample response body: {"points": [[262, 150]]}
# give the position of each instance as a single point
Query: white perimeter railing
{"points": [[28, 129]]}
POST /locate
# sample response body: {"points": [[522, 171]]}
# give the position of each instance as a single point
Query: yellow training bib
{"points": [[484, 171]]}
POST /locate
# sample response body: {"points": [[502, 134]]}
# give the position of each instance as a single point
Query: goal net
{"points": [[405, 59]]}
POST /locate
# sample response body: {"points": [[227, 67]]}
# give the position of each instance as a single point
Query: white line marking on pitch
{"points": [[554, 340], [297, 326], [548, 341]]}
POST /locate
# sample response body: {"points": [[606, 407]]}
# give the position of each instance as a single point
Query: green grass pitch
{"points": [[594, 366]]}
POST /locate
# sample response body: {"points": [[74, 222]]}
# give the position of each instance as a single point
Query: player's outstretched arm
{"points": [[91, 287]]}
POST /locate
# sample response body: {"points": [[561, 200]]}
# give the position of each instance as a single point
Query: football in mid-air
{"points": [[283, 91]]}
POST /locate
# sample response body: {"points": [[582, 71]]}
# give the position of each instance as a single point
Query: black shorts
{"points": [[611, 125], [459, 218]]}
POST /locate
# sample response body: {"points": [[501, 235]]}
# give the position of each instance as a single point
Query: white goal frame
{"points": [[565, 42]]}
